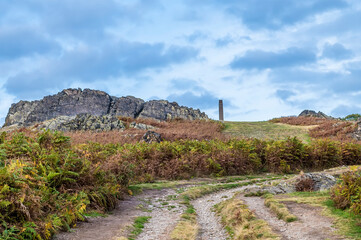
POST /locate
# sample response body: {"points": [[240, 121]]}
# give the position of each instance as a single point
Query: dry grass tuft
{"points": [[279, 209], [185, 230], [241, 223]]}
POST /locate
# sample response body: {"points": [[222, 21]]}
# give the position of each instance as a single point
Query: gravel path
{"points": [[311, 225], [210, 226], [165, 210], [165, 213]]}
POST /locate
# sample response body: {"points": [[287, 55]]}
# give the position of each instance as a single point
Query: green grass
{"points": [[266, 130], [138, 226], [350, 223]]}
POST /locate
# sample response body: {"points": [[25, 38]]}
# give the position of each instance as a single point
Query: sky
{"points": [[264, 58]]}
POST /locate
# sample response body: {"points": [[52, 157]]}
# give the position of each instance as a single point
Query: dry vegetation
{"points": [[300, 121], [241, 223], [170, 131], [334, 129]]}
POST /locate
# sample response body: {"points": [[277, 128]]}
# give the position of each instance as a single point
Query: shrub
{"points": [[45, 186], [347, 193], [305, 184]]}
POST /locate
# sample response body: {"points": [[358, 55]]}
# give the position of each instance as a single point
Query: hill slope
{"points": [[267, 130]]}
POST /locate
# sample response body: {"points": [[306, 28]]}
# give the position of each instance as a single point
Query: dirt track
{"points": [[165, 210]]}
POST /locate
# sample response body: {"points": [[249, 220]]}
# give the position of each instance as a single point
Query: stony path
{"points": [[165, 213], [165, 210], [311, 225], [210, 226]]}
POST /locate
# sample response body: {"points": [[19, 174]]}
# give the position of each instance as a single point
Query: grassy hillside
{"points": [[267, 130]]}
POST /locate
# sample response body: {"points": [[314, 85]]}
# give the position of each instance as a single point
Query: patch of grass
{"points": [[138, 226], [241, 223], [170, 207], [266, 130], [187, 227], [348, 222], [279, 209], [256, 194], [143, 208]]}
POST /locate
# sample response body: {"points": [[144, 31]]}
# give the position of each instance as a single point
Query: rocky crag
{"points": [[76, 109], [311, 113]]}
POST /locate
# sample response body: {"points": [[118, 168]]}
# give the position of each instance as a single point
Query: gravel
{"points": [[209, 222], [165, 213]]}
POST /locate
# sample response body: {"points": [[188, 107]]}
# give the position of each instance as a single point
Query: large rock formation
{"points": [[164, 110], [311, 113], [69, 103]]}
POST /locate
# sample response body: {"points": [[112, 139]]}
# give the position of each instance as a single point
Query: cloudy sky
{"points": [[264, 58]]}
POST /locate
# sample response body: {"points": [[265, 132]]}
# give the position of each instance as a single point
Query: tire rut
{"points": [[309, 226], [165, 213], [210, 224]]}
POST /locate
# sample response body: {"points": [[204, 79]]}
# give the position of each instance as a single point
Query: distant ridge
{"points": [[71, 102]]}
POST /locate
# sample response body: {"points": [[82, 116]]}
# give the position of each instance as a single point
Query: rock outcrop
{"points": [[311, 113], [72, 102], [164, 110], [320, 182], [357, 133], [83, 121], [151, 136]]}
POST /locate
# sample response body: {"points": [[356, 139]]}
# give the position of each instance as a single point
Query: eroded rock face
{"points": [[72, 102], [87, 121], [69, 102], [164, 110], [127, 106]]}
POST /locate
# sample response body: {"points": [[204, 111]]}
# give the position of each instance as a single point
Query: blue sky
{"points": [[264, 58]]}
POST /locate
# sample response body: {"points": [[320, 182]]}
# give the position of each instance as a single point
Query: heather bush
{"points": [[347, 193]]}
